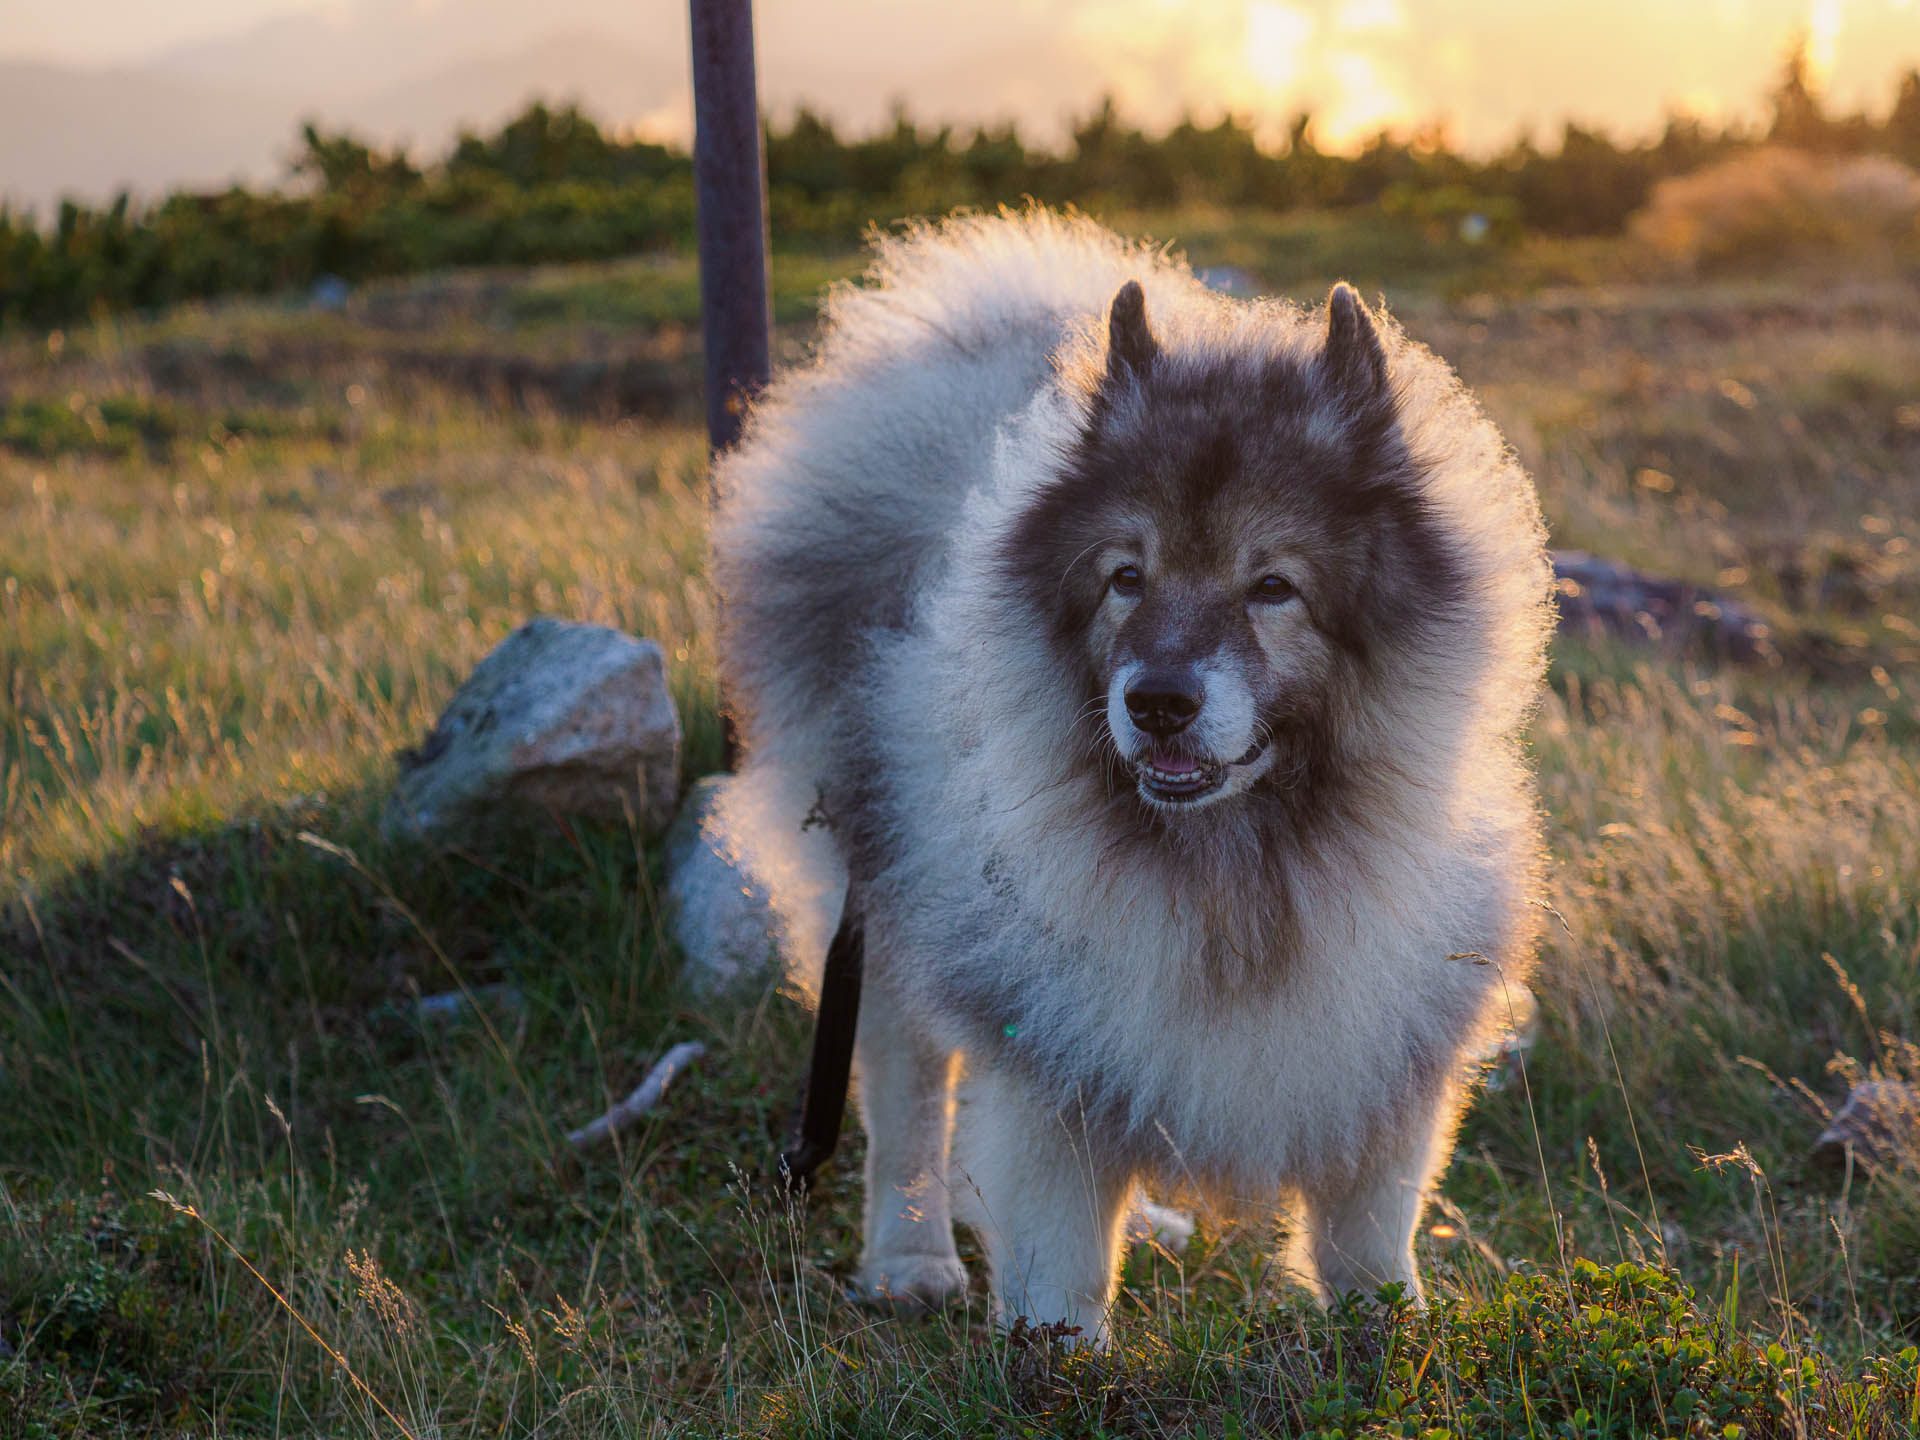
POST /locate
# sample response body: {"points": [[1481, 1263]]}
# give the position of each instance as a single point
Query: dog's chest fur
{"points": [[1105, 999]]}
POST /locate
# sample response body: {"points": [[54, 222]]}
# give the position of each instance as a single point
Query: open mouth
{"points": [[1175, 779]]}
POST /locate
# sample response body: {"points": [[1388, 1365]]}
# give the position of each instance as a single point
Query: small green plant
{"points": [[115, 426]]}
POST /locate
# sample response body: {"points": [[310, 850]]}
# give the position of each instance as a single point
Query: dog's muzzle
{"points": [[1180, 779]]}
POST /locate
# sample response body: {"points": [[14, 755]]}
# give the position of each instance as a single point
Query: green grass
{"points": [[264, 546], [660, 290], [1304, 253]]}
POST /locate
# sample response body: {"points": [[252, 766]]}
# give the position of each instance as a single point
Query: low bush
{"points": [[1776, 204]]}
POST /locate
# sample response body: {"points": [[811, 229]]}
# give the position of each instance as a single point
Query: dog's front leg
{"points": [[906, 1089], [1360, 1228], [1051, 1206]]}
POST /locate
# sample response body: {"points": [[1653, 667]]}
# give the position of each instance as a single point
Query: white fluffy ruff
{"points": [[937, 406]]}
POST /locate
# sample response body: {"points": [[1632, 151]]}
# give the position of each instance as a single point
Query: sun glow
{"points": [[1276, 43], [1357, 17], [1261, 59], [1823, 38], [1367, 98], [1339, 69], [1485, 71]]}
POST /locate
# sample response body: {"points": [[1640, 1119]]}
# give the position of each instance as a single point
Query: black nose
{"points": [[1163, 702]]}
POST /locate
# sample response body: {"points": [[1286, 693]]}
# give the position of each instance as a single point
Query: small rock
{"points": [[1880, 1124], [721, 915], [1600, 599], [1228, 280], [1505, 1057], [1149, 1223], [561, 718], [329, 292], [453, 1004]]}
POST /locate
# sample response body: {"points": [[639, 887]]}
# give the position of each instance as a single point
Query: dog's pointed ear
{"points": [[1130, 344], [1354, 362]]}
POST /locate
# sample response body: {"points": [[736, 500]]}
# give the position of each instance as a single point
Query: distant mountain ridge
{"points": [[614, 82], [343, 57], [190, 122], [415, 70], [90, 133], [407, 72]]}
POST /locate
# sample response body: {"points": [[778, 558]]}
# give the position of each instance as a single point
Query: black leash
{"points": [[832, 1066]]}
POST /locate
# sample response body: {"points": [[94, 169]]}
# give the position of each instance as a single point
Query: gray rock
{"points": [[560, 719], [1505, 1058], [720, 914], [1228, 280], [1600, 599], [455, 1004], [1880, 1124], [329, 292]]}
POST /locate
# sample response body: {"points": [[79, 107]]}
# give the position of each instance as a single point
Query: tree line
{"points": [[552, 185]]}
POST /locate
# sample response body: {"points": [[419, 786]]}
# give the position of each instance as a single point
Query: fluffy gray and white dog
{"points": [[1157, 663]]}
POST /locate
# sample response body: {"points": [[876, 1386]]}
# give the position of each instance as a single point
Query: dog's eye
{"points": [[1126, 580], [1274, 589]]}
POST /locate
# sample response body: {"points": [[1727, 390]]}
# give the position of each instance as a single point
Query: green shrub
{"points": [[551, 186]]}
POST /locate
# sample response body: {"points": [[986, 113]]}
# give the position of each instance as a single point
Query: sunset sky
{"points": [[1488, 66]]}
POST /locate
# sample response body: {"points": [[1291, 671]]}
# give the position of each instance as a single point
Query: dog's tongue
{"points": [[1173, 764]]}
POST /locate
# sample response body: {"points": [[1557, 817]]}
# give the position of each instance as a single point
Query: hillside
{"points": [[251, 548]]}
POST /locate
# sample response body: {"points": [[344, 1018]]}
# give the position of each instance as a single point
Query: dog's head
{"points": [[1233, 551]]}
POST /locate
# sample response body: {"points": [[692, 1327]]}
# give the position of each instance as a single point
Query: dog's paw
{"points": [[912, 1282], [1158, 1225]]}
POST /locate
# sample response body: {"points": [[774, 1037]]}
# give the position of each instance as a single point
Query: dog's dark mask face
{"points": [[1229, 545]]}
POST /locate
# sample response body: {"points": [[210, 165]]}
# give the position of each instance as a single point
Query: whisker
{"points": [[1103, 540]]}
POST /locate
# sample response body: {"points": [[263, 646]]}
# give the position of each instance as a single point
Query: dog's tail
{"points": [[758, 882]]}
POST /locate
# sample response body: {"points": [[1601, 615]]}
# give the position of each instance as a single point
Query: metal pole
{"points": [[730, 183], [730, 195]]}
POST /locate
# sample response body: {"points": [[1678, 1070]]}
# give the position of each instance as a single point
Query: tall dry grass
{"points": [[214, 644], [191, 637], [1772, 205]]}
